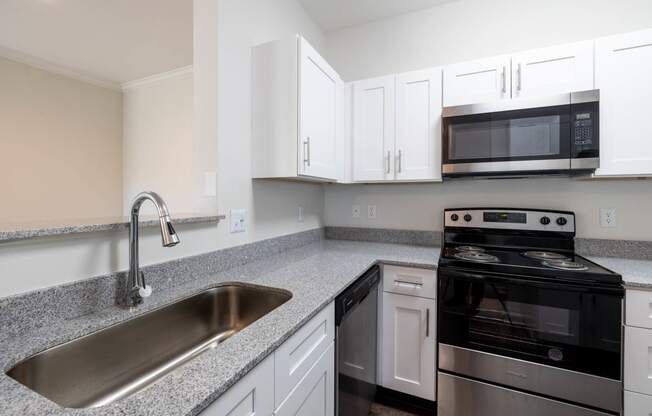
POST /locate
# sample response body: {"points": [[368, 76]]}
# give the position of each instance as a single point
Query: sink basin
{"points": [[118, 361]]}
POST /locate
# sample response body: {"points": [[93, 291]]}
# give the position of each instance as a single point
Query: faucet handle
{"points": [[145, 292]]}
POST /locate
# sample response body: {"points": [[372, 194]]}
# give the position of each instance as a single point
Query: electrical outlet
{"points": [[237, 220], [300, 214], [356, 211], [371, 212], [607, 217]]}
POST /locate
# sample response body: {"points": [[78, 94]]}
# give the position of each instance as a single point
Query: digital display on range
{"points": [[506, 217]]}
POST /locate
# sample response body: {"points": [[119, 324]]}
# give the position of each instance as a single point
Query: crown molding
{"points": [[153, 79]]}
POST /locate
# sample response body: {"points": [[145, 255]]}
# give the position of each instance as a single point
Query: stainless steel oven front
{"points": [[517, 346], [551, 135]]}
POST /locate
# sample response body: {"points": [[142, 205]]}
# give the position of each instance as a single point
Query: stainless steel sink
{"points": [[118, 361]]}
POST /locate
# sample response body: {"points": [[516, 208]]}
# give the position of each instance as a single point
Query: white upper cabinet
{"points": [[319, 85], [418, 125], [554, 70], [622, 70], [373, 129], [477, 81], [296, 107]]}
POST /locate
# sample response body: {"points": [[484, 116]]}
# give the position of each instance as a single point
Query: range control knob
{"points": [[468, 218], [455, 217], [545, 220], [561, 221]]}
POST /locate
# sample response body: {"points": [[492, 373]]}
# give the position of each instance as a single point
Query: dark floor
{"points": [[382, 410]]}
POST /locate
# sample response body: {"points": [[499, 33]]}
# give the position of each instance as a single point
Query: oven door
{"points": [[560, 325], [531, 140], [554, 340]]}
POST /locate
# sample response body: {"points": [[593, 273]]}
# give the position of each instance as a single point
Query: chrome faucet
{"points": [[138, 290]]}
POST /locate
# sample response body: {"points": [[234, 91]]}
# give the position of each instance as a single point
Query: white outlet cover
{"points": [[237, 220], [371, 212], [607, 217], [356, 211]]}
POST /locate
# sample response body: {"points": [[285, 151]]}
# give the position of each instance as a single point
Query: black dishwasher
{"points": [[356, 316]]}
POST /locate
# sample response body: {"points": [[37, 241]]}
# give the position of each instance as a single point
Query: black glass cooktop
{"points": [[549, 264]]}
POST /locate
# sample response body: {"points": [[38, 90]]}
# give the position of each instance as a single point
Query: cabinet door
{"points": [[315, 393], [418, 125], [638, 360], [318, 99], [374, 107], [637, 404], [623, 68], [408, 361], [477, 81], [251, 396], [555, 70]]}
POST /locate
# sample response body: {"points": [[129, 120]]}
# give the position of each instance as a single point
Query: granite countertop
{"points": [[637, 274], [34, 229], [314, 273]]}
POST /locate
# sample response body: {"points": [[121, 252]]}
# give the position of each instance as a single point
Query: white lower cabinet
{"points": [[315, 393], [251, 396], [408, 344], [637, 404], [638, 360], [298, 379]]}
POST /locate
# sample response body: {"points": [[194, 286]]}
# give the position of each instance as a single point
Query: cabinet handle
{"points": [[504, 77], [400, 161], [306, 151], [412, 285], [388, 161], [519, 79], [427, 322]]}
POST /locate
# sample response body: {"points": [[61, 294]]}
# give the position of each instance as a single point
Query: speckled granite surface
{"points": [[625, 249], [385, 235], [13, 232], [635, 273], [314, 273]]}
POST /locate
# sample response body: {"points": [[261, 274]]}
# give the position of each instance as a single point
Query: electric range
{"points": [[526, 325]]}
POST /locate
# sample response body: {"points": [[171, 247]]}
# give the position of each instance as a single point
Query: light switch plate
{"points": [[607, 217], [300, 214], [371, 212], [237, 220], [210, 184]]}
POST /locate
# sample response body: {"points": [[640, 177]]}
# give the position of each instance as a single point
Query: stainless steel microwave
{"points": [[556, 135]]}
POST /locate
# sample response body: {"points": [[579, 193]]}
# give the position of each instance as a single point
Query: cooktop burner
{"points": [[565, 264], [477, 256], [545, 255], [470, 249]]}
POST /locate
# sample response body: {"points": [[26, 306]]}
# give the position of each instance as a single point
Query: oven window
{"points": [[550, 324], [535, 136], [531, 134]]}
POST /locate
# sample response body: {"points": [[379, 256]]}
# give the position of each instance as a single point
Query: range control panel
{"points": [[510, 219]]}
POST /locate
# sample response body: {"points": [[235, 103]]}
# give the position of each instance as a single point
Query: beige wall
{"points": [[157, 142], [61, 146], [469, 29]]}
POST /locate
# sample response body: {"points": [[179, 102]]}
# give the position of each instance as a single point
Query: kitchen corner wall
{"points": [[462, 30], [272, 206]]}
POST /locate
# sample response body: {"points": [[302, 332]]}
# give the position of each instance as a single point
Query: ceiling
{"points": [[107, 40], [333, 15]]}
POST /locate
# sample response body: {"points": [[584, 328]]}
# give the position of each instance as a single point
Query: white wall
{"points": [[469, 29], [271, 205], [157, 140]]}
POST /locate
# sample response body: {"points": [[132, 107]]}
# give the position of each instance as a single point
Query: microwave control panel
{"points": [[583, 124]]}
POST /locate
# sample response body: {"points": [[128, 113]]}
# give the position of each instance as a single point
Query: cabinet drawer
{"points": [[301, 351], [638, 308], [315, 393], [638, 360], [252, 395], [637, 404], [410, 281]]}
